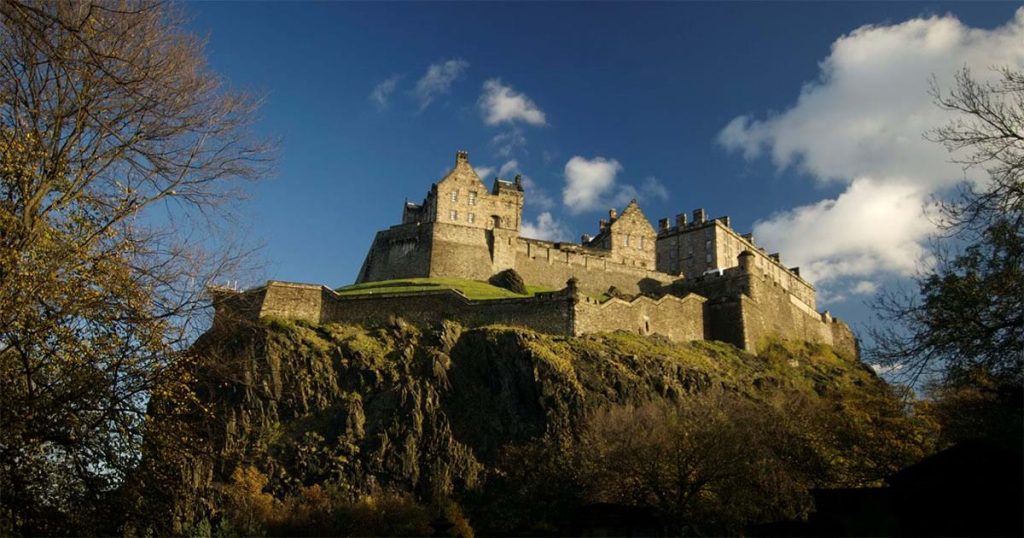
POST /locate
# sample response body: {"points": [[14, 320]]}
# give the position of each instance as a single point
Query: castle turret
{"points": [[746, 261]]}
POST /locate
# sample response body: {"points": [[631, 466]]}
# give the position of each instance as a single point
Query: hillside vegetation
{"points": [[504, 430]]}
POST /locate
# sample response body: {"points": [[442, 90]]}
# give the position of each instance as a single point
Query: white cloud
{"points": [[652, 188], [483, 171], [438, 80], [865, 287], [382, 92], [874, 225], [508, 168], [499, 103], [861, 125], [587, 181], [545, 227], [506, 143], [591, 184]]}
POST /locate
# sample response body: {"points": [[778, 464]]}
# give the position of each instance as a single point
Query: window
{"points": [[453, 214], [472, 199], [641, 242], [627, 240], [708, 257], [455, 197], [471, 217]]}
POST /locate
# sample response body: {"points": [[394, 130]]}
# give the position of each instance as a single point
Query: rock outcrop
{"points": [[428, 411]]}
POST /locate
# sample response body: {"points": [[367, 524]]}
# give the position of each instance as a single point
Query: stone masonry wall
{"points": [[773, 312], [563, 312], [402, 251], [461, 251], [542, 263], [295, 301], [681, 320], [548, 313]]}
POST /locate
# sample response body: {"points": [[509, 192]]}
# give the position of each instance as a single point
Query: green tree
{"points": [[963, 326], [118, 150]]}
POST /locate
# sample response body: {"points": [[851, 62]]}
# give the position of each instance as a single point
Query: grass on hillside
{"points": [[473, 289]]}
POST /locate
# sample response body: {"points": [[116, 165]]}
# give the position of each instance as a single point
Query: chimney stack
{"points": [[699, 216], [663, 225], [612, 215], [681, 220]]}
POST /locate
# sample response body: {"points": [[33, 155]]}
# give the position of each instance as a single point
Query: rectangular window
{"points": [[708, 257], [472, 198], [627, 240], [453, 214], [641, 242], [471, 217], [455, 196]]}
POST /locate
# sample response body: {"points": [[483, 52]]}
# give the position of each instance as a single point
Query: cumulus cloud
{"points": [[499, 103], [545, 227], [873, 225], [587, 181], [592, 184], [382, 92], [860, 125], [438, 80]]}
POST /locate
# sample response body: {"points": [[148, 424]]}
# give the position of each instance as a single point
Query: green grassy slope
{"points": [[470, 288]]}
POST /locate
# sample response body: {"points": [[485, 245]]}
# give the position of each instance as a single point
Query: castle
{"points": [[690, 279]]}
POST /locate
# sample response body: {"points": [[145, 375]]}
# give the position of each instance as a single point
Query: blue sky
{"points": [[801, 121]]}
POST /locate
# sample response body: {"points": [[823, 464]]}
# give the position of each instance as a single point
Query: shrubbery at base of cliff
{"points": [[514, 431]]}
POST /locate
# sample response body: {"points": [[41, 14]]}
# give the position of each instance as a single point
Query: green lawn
{"points": [[470, 288]]}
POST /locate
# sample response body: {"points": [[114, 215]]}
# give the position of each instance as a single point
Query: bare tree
{"points": [[119, 150], [966, 316]]}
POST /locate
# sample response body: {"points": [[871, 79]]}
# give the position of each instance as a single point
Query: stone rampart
{"points": [[547, 264], [679, 319], [548, 312], [566, 312], [402, 251], [462, 252]]}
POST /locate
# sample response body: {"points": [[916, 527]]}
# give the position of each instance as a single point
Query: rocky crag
{"points": [[429, 411]]}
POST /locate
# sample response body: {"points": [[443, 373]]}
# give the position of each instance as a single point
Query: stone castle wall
{"points": [[548, 313], [547, 264], [681, 320], [445, 250], [402, 251], [748, 306], [565, 312]]}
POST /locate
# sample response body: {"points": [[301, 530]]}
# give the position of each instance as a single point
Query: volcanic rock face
{"points": [[428, 412]]}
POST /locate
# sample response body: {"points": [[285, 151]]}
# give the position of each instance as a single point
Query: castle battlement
{"points": [[696, 279]]}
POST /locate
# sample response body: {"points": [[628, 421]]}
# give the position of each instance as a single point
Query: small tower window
{"points": [[627, 240], [641, 242], [470, 217], [453, 214], [455, 197], [472, 199]]}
